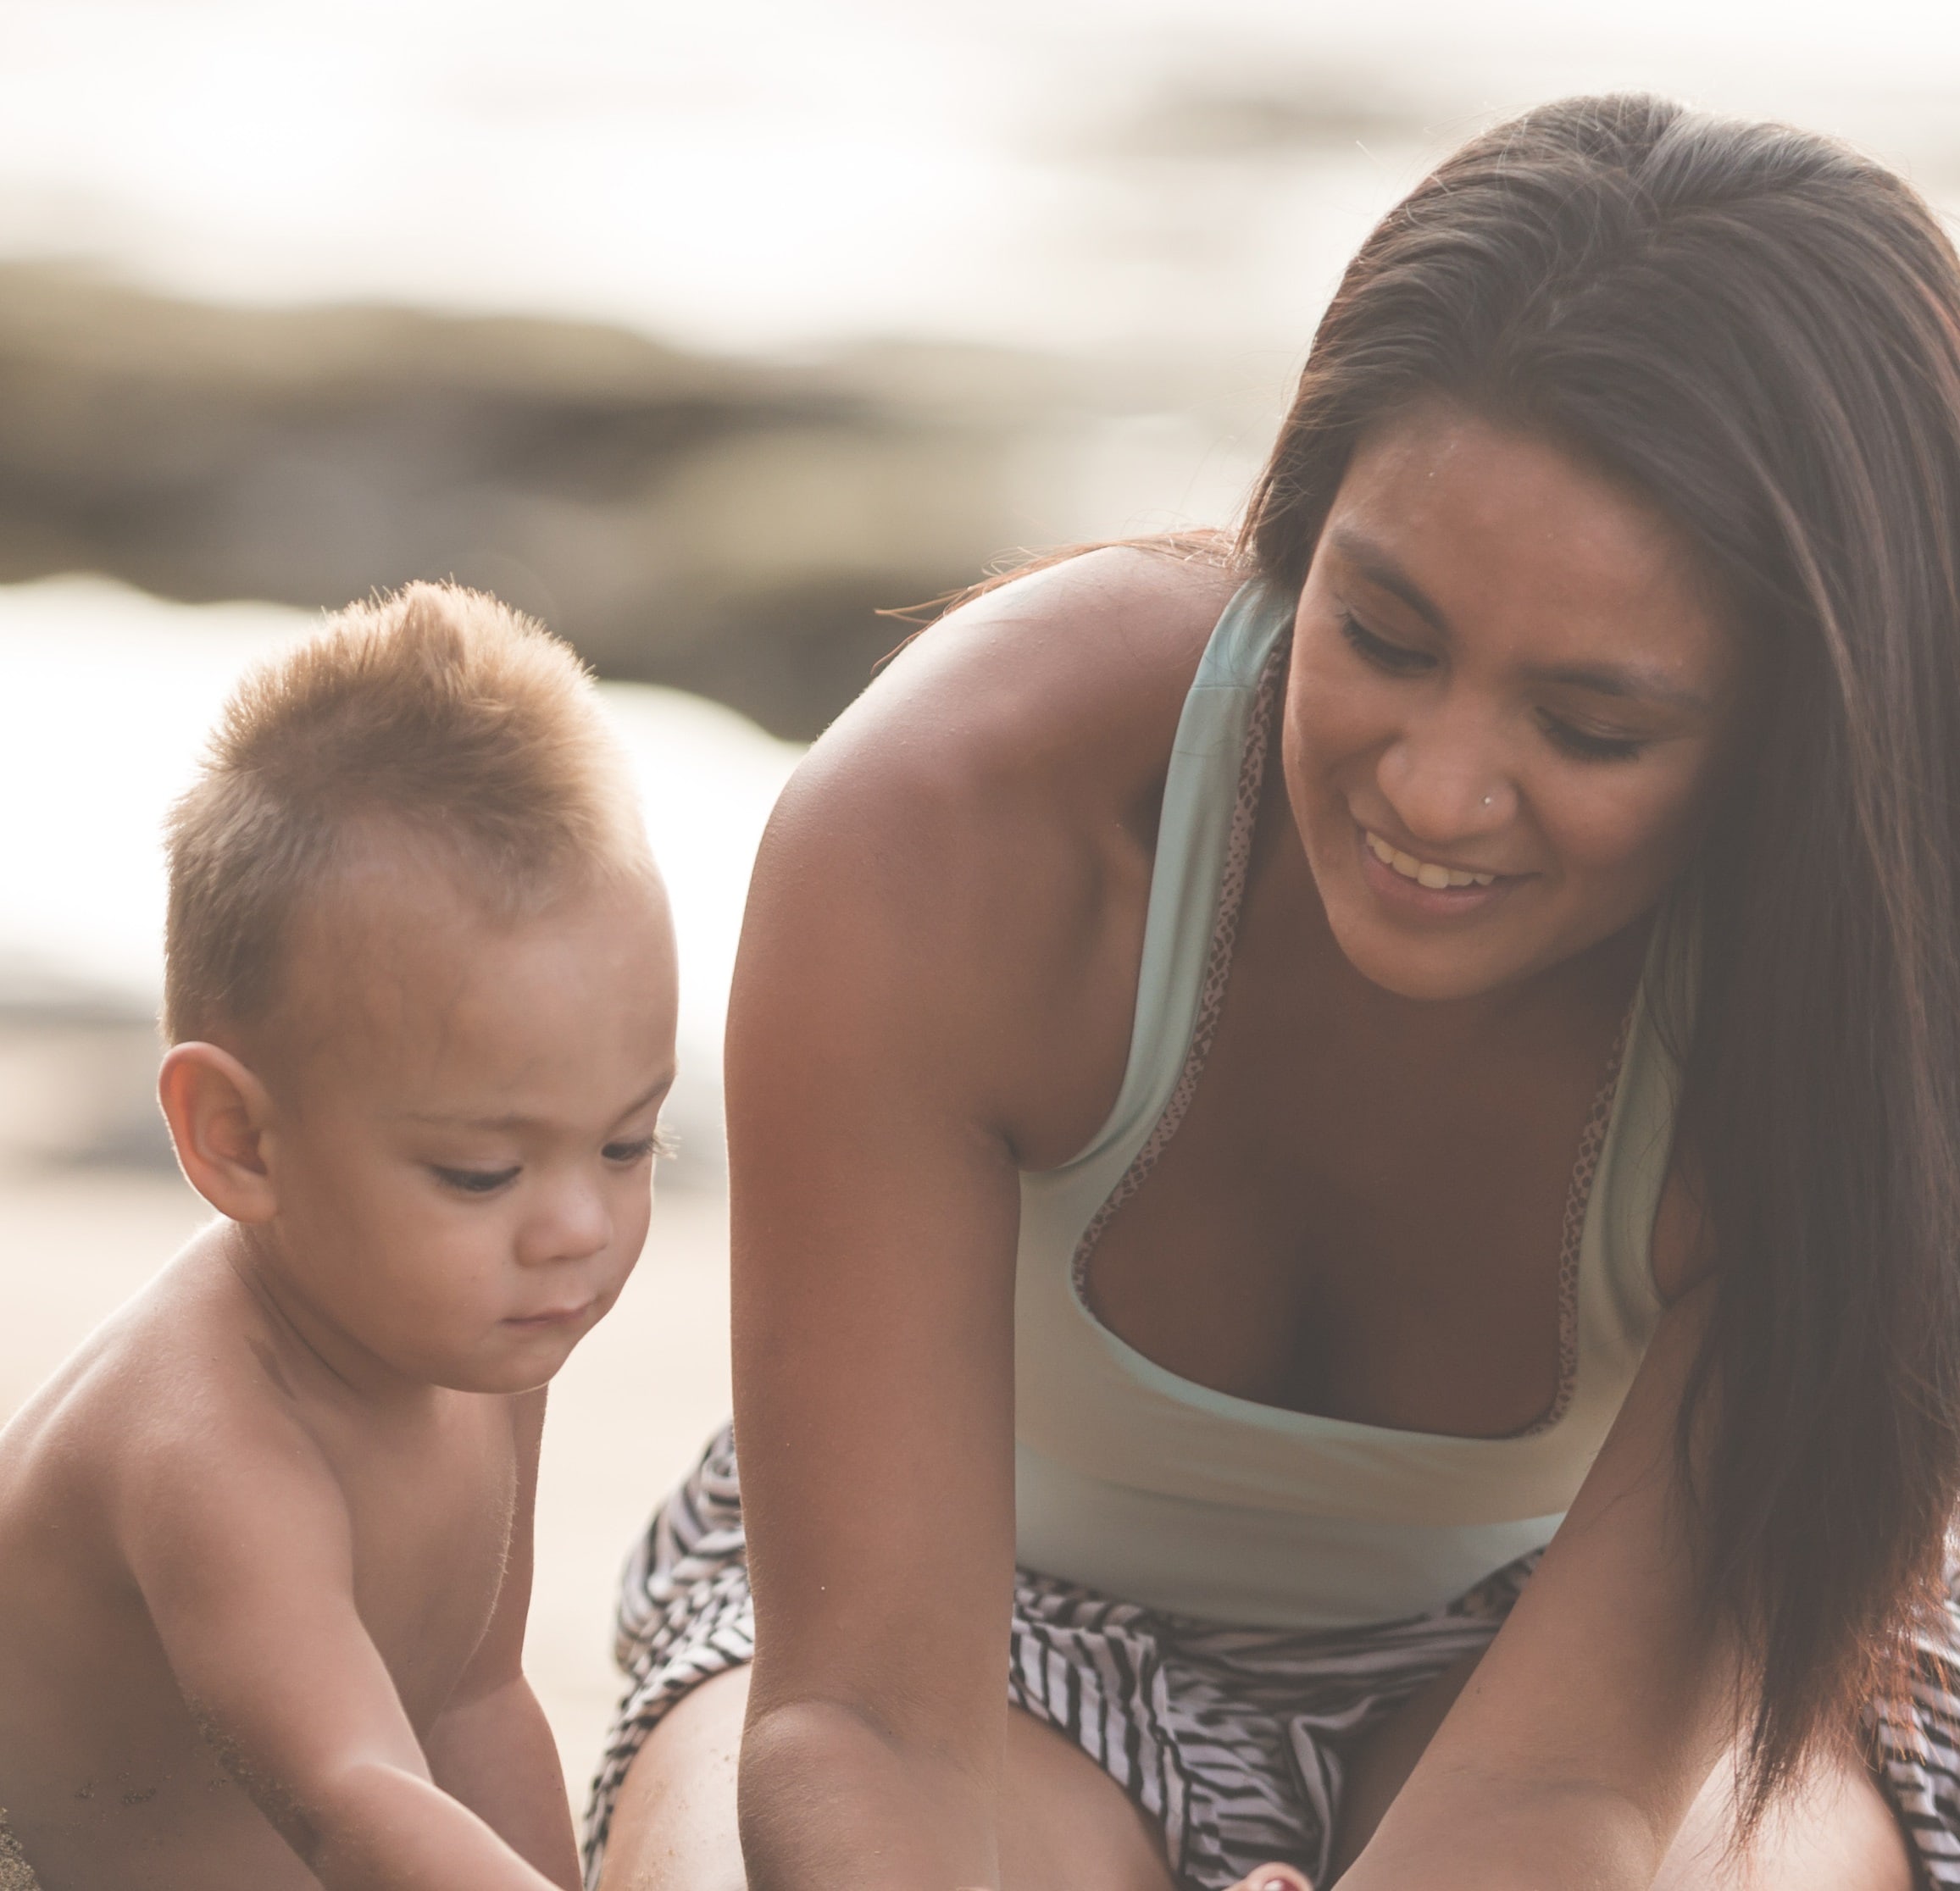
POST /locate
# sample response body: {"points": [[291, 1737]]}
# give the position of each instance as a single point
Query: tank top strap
{"points": [[1204, 839]]}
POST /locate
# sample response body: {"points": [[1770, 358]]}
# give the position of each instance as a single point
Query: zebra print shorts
{"points": [[1232, 1740]]}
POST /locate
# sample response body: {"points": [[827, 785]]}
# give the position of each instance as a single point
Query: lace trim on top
{"points": [[1211, 1006], [1218, 962], [1577, 1193]]}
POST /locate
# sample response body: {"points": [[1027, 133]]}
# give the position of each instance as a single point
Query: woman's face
{"points": [[1510, 693]]}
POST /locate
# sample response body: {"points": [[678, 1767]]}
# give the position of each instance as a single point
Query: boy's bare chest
{"points": [[432, 1517]]}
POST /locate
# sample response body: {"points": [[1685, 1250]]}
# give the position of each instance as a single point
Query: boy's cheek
{"points": [[635, 1242]]}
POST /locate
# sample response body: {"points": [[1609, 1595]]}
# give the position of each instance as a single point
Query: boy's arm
{"points": [[242, 1546], [492, 1747], [495, 1753]]}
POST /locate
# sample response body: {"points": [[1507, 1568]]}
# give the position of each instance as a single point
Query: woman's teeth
{"points": [[1424, 872]]}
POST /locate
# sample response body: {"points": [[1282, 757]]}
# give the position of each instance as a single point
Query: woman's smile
{"points": [[1409, 885], [1431, 874]]}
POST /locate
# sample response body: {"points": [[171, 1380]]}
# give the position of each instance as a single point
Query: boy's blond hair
{"points": [[438, 708]]}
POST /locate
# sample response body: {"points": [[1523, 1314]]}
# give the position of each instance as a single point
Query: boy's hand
{"points": [[244, 1555]]}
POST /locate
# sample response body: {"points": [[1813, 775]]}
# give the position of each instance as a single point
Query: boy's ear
{"points": [[219, 1112]]}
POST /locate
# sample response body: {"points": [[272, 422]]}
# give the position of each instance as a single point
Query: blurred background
{"points": [[705, 334]]}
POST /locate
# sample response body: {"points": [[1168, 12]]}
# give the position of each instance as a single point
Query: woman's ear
{"points": [[219, 1112]]}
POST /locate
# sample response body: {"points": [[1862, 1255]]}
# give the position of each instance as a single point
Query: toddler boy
{"points": [[265, 1540]]}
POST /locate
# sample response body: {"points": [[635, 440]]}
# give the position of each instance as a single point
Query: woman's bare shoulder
{"points": [[1070, 678], [969, 848]]}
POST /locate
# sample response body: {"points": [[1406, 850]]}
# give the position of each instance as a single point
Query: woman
{"points": [[1260, 1084]]}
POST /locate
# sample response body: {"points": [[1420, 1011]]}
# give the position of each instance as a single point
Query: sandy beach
{"points": [[626, 1413]]}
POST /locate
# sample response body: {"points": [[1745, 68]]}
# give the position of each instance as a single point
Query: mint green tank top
{"points": [[1155, 1490]]}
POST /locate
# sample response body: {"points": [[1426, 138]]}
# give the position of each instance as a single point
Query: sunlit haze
{"points": [[768, 174]]}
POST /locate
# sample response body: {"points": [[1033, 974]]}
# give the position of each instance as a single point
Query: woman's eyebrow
{"points": [[1630, 682], [1370, 562]]}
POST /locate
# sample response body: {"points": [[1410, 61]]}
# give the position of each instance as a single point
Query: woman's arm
{"points": [[936, 978], [876, 1208], [1575, 1751]]}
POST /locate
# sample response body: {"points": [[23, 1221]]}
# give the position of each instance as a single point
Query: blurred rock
{"points": [[727, 527], [78, 1069]]}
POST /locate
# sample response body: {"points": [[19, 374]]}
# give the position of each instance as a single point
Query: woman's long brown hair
{"points": [[1760, 331]]}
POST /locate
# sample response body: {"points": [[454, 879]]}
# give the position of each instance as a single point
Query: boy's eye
{"points": [[1397, 659], [626, 1154], [473, 1181]]}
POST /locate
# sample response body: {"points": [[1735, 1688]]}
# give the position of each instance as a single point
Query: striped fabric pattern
{"points": [[1918, 1755], [1232, 1740]]}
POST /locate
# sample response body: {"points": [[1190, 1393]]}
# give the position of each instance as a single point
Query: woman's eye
{"points": [[1589, 747], [1397, 659], [473, 1181]]}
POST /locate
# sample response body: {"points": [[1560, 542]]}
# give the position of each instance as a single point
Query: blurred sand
{"points": [[627, 1413]]}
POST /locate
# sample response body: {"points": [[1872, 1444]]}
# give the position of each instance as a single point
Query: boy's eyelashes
{"points": [[625, 1153], [468, 1181], [637, 1150]]}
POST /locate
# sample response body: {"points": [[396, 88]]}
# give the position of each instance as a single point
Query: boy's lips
{"points": [[557, 1315]]}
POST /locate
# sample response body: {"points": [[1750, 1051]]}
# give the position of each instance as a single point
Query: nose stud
{"points": [[1488, 799]]}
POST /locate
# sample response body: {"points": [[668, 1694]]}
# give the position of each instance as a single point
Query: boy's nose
{"points": [[577, 1224]]}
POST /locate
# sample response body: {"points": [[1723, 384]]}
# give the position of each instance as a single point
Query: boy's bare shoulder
{"points": [[182, 1391], [161, 1462]]}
